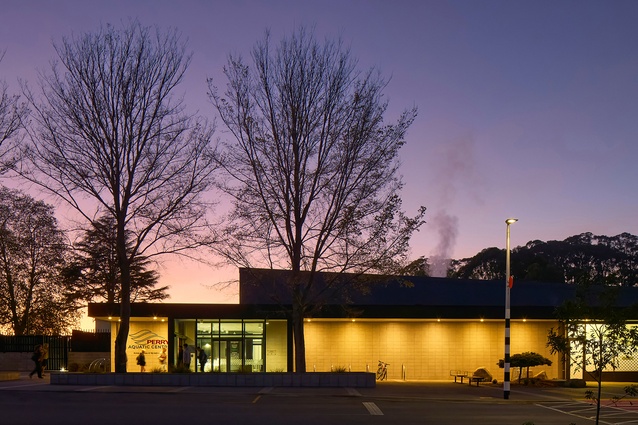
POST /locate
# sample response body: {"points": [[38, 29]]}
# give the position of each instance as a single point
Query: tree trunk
{"points": [[121, 339], [125, 302], [298, 335], [599, 378]]}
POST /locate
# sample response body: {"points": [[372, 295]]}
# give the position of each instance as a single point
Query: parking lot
{"points": [[30, 401]]}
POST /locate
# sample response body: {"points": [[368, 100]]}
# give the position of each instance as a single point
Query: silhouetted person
{"points": [[37, 359], [141, 361], [187, 356], [203, 358]]}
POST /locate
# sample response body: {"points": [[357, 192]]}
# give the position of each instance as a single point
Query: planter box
{"points": [[269, 379]]}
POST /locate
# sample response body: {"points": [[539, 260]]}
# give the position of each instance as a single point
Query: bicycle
{"points": [[382, 371]]}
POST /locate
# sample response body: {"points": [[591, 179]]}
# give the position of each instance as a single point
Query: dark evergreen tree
{"points": [[94, 274], [584, 259]]}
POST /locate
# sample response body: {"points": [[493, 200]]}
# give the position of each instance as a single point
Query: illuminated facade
{"points": [[423, 327]]}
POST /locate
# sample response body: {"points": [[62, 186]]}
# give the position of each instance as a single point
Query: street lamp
{"points": [[508, 282]]}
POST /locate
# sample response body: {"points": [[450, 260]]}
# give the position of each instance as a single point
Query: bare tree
{"points": [[312, 168], [111, 139], [12, 112], [32, 253]]}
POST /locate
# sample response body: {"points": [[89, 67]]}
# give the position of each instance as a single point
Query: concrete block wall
{"points": [[83, 358], [20, 362], [428, 350], [276, 346], [350, 380]]}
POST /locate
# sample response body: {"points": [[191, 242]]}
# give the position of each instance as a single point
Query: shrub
{"points": [[179, 369]]}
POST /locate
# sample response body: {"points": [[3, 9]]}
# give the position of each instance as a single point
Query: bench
{"points": [[477, 379], [458, 374]]}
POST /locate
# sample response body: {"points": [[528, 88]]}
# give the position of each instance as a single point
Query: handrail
{"points": [[98, 363]]}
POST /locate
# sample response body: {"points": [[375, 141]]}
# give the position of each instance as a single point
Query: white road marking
{"points": [[590, 412], [92, 388], [178, 389], [373, 408], [24, 385], [353, 391]]}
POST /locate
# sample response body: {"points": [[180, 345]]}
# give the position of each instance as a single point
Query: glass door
{"points": [[234, 356], [231, 359]]}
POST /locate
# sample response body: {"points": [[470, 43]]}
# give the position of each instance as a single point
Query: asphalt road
{"points": [[31, 402]]}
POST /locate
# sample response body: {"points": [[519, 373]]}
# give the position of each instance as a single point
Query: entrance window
{"points": [[254, 328], [230, 345]]}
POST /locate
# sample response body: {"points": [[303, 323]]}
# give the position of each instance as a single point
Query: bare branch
{"points": [[313, 167], [111, 139]]}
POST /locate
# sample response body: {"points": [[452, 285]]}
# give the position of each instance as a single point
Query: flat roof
{"points": [[265, 293]]}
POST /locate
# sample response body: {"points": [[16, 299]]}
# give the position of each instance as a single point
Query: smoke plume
{"points": [[446, 226]]}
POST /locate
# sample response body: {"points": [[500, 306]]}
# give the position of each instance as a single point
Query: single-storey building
{"points": [[422, 327]]}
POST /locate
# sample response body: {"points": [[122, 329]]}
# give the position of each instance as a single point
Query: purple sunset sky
{"points": [[527, 109]]}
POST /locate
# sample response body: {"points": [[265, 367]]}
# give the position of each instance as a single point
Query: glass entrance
{"points": [[233, 345], [231, 351]]}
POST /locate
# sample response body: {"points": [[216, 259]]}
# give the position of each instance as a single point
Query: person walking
{"points": [[141, 361], [37, 359], [44, 357], [202, 357]]}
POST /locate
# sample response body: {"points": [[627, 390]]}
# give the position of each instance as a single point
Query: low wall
{"points": [[16, 362], [22, 361], [83, 359], [9, 376], [270, 379]]}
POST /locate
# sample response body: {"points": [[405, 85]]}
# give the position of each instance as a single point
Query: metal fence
{"points": [[58, 347], [90, 341]]}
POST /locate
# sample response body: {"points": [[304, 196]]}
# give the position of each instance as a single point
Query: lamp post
{"points": [[506, 379]]}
